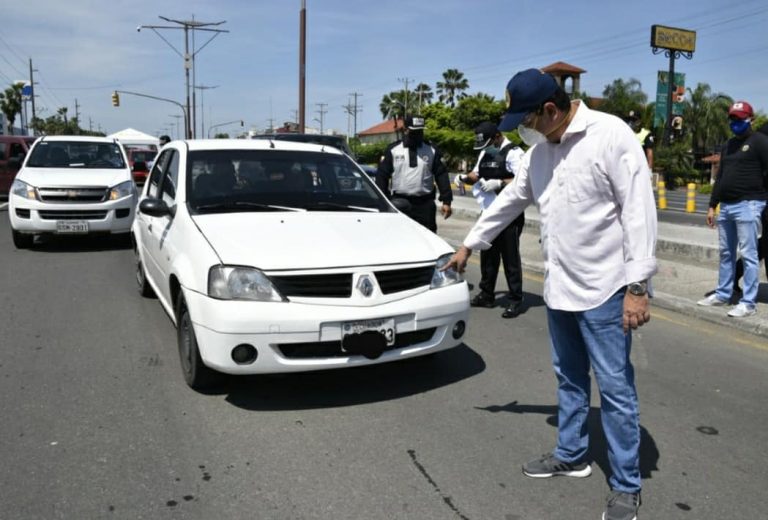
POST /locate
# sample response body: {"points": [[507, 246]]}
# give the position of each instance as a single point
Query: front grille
{"points": [[79, 195], [22, 213], [326, 349], [72, 215], [404, 279], [315, 285]]}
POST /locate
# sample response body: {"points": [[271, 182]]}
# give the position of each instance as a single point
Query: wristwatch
{"points": [[638, 288]]}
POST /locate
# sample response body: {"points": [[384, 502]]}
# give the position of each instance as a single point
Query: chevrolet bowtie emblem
{"points": [[365, 285]]}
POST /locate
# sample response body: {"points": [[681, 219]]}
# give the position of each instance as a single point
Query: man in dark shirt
{"points": [[740, 189]]}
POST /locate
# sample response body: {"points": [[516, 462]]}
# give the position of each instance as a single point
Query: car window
{"points": [[157, 171], [2, 150], [171, 178], [16, 150], [313, 181], [76, 154]]}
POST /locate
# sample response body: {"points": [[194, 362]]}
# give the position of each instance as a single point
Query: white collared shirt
{"points": [[598, 215]]}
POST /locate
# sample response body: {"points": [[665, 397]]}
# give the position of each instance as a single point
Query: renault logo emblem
{"points": [[365, 285]]}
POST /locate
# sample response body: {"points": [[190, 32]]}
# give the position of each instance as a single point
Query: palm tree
{"points": [[452, 88], [705, 114], [423, 93], [10, 103], [393, 104]]}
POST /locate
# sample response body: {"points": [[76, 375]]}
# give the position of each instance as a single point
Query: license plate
{"points": [[384, 326], [71, 226]]}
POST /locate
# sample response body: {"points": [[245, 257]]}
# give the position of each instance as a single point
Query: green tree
{"points": [[473, 110], [393, 104], [423, 95], [705, 118], [437, 115], [620, 97], [10, 103], [452, 88]]}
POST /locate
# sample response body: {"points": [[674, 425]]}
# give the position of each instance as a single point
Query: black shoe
{"points": [[483, 300], [513, 310]]}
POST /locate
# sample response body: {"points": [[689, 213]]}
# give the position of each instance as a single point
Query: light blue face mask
{"points": [[739, 126]]}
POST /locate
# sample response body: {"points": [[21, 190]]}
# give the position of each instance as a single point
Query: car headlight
{"points": [[227, 282], [124, 189], [22, 189], [444, 278]]}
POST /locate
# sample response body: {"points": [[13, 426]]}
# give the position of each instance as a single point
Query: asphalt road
{"points": [[98, 423]]}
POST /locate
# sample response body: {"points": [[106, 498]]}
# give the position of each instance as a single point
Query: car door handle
{"points": [[149, 227]]}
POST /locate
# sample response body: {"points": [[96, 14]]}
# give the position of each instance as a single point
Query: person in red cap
{"points": [[740, 190]]}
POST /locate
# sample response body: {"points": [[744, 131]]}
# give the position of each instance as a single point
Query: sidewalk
{"points": [[687, 260]]}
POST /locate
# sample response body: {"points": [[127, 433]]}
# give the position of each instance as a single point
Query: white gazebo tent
{"points": [[130, 136]]}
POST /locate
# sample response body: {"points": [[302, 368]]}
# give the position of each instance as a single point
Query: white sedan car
{"points": [[272, 256], [72, 185]]}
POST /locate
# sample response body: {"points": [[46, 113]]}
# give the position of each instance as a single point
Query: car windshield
{"points": [[76, 154], [336, 141], [278, 180]]}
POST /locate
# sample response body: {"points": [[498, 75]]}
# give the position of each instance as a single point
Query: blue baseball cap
{"points": [[526, 91]]}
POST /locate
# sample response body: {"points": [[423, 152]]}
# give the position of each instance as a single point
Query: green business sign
{"points": [[662, 89]]}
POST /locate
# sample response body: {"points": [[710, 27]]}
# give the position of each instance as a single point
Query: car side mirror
{"points": [[140, 166], [155, 208], [401, 204]]}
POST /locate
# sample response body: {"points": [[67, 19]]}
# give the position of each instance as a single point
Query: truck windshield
{"points": [[76, 154]]}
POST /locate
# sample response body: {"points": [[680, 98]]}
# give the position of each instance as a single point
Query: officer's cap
{"points": [[484, 133], [414, 122]]}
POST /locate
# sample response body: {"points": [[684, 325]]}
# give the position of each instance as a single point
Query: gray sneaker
{"points": [[549, 466], [711, 301], [742, 310], [622, 506]]}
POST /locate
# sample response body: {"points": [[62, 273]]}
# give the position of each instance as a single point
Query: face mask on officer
{"points": [[413, 138], [527, 128], [739, 126]]}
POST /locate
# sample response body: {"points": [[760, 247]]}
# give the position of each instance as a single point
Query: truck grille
{"points": [[72, 215], [78, 195], [404, 279]]}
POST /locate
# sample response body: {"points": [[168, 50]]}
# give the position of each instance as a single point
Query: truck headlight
{"points": [[22, 189], [124, 189], [226, 282], [444, 278]]}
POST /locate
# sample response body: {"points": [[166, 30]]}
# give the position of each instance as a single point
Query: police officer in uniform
{"points": [[409, 171], [499, 159]]}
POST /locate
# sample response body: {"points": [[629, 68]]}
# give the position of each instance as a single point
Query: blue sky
{"points": [[84, 49]]}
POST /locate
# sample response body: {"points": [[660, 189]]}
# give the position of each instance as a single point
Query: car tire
{"points": [[21, 240], [196, 374], [141, 279]]}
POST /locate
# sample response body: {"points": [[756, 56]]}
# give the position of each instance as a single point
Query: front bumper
{"points": [[36, 217], [273, 328]]}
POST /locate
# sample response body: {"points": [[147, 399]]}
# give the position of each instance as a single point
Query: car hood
{"points": [[318, 240], [73, 177]]}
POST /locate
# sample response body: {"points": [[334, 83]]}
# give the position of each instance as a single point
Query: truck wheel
{"points": [[21, 240]]}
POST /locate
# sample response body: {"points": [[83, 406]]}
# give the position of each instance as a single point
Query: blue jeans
{"points": [[738, 226], [597, 337]]}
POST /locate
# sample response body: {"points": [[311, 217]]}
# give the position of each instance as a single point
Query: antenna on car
{"points": [[271, 144]]}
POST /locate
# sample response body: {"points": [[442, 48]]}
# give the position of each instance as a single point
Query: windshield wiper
{"points": [[244, 206], [339, 207]]}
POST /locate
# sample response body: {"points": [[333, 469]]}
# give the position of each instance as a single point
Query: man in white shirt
{"points": [[588, 176], [497, 163]]}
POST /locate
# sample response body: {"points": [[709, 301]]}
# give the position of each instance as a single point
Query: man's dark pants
{"points": [[422, 210], [506, 248]]}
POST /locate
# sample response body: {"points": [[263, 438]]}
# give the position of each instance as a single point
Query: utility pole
{"points": [[405, 81], [302, 61], [189, 59], [90, 124], [32, 84], [177, 117], [355, 110], [322, 113]]}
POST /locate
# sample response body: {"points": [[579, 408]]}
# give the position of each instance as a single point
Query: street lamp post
{"points": [[202, 89], [224, 124]]}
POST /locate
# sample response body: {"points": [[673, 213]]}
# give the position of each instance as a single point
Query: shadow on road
{"points": [[353, 386], [598, 448], [81, 244]]}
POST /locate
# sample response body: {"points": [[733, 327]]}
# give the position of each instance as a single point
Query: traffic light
{"points": [[115, 99]]}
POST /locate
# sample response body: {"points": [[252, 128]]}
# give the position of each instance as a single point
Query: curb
{"points": [[672, 303]]}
